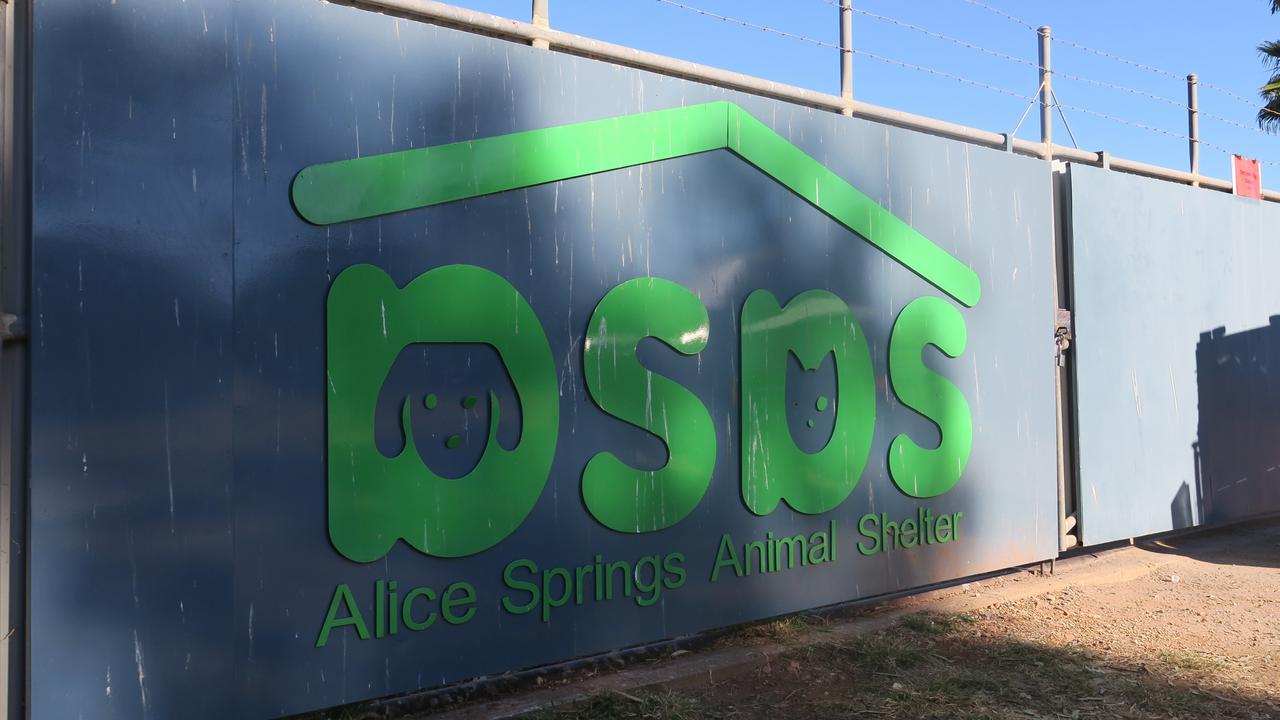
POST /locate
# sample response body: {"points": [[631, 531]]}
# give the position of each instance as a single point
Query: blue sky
{"points": [[1217, 41]]}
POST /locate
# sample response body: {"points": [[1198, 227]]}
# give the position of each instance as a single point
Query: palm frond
{"points": [[1269, 116], [1269, 51]]}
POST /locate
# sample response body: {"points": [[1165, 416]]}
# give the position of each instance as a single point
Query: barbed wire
{"points": [[1172, 75], [1122, 88], [1235, 123], [1249, 102], [994, 88], [1219, 148], [1001, 13], [1022, 61], [1252, 104], [748, 24], [1116, 58], [1214, 87], [855, 51], [1168, 101], [1123, 121], [1149, 128], [932, 33], [1221, 90], [1181, 104], [943, 74]]}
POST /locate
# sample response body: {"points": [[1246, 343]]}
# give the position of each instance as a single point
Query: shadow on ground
{"points": [[1224, 546], [952, 666]]}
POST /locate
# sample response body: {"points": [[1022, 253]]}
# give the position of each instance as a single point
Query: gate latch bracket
{"points": [[11, 326], [1062, 335]]}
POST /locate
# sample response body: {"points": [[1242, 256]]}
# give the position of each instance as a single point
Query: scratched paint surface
{"points": [[132, 338], [182, 563], [1156, 266]]}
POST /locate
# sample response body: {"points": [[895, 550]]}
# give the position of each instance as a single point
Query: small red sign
{"points": [[1246, 177]]}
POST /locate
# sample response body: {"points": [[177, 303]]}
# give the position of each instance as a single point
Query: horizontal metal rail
{"points": [[439, 13]]}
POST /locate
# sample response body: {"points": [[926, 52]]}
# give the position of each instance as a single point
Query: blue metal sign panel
{"points": [[206, 542], [1169, 284]]}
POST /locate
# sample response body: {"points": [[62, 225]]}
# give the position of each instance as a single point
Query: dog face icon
{"points": [[451, 400], [449, 487]]}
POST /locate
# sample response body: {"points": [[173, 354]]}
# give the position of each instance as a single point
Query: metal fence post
{"points": [[846, 55], [1193, 128], [540, 20], [1046, 94]]}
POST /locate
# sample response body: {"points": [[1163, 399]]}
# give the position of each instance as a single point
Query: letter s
{"points": [[922, 472], [619, 496]]}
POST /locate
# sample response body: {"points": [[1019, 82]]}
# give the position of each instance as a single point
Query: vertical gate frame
{"points": [[15, 377], [1064, 379]]}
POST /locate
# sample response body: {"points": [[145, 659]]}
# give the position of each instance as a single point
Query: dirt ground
{"points": [[1180, 628]]}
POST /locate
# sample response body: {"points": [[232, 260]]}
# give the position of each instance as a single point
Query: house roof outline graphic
{"points": [[360, 188]]}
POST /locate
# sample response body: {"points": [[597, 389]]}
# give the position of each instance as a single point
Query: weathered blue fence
{"points": [[578, 375]]}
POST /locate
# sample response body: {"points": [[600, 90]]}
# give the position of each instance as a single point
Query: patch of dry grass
{"points": [[943, 666]]}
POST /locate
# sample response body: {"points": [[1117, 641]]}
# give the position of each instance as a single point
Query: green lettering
{"points": [[907, 533], [509, 580], [619, 496], [407, 610], [578, 574], [393, 614], [726, 556], [672, 567], [342, 595], [888, 526], [787, 548], [599, 568], [813, 325], [625, 567], [550, 601], [374, 499], [943, 528], [379, 609], [921, 472], [872, 535], [651, 588], [762, 563], [449, 602], [819, 548]]}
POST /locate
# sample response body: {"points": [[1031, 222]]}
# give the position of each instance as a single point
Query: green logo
{"points": [[382, 184], [620, 497], [922, 472], [813, 325], [375, 500]]}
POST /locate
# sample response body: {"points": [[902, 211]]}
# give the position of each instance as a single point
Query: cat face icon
{"points": [[812, 327]]}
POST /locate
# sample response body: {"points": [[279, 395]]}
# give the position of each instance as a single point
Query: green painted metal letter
{"points": [[621, 497], [375, 500], [813, 325], [921, 472]]}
